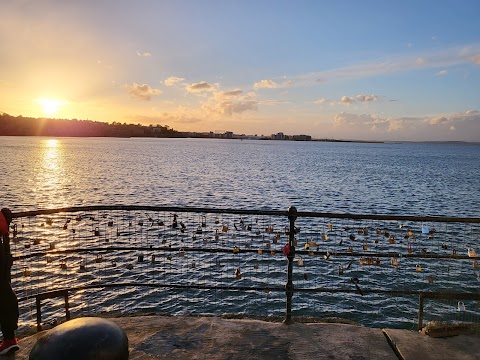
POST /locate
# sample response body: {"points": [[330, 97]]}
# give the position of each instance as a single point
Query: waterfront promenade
{"points": [[181, 337]]}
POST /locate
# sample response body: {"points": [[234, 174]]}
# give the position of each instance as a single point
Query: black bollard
{"points": [[86, 338]]}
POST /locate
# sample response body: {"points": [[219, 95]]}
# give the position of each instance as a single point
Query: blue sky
{"points": [[382, 70]]}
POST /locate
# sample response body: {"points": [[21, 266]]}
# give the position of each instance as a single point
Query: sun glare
{"points": [[50, 106], [51, 143]]}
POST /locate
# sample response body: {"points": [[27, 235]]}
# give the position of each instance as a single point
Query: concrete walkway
{"points": [[180, 337]]}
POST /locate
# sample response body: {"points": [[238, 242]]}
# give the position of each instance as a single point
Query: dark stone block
{"points": [[86, 338]]}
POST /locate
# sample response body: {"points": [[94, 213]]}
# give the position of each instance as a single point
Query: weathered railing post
{"points": [[292, 216], [420, 311]]}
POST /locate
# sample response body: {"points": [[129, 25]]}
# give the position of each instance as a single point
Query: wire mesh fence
{"points": [[373, 269], [141, 259]]}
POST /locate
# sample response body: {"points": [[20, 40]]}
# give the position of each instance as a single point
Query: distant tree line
{"points": [[28, 126]]}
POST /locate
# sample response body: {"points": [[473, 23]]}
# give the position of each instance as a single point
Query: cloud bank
{"points": [[173, 80], [142, 92], [230, 103], [200, 87], [452, 127]]}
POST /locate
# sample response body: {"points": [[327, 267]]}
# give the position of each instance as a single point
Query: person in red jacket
{"points": [[8, 300]]}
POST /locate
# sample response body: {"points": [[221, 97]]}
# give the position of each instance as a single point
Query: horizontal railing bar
{"points": [[50, 294], [429, 295], [450, 296], [243, 250], [388, 217], [155, 285], [364, 291], [387, 255], [244, 212], [113, 249], [148, 208]]}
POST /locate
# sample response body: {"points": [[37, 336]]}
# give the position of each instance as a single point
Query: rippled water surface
{"points": [[399, 179], [402, 179]]}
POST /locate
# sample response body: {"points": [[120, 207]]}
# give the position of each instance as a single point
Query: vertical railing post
{"points": [[420, 311], [39, 313], [292, 216], [67, 306]]}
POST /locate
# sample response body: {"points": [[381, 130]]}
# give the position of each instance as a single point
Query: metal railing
{"points": [[369, 268]]}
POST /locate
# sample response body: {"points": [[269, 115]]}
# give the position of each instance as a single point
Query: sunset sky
{"points": [[379, 70]]}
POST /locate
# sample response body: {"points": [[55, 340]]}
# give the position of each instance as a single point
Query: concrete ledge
{"points": [[215, 338], [181, 337], [415, 345]]}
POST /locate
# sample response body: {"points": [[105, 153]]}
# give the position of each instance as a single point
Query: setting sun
{"points": [[50, 106]]}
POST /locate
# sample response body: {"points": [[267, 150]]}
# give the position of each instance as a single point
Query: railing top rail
{"points": [[389, 217], [446, 295], [244, 212], [148, 208]]}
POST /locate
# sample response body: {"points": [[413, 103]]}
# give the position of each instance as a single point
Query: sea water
{"points": [[359, 178], [382, 178]]}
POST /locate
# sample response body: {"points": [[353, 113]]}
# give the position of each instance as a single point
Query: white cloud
{"points": [[269, 84], [200, 87], [142, 92], [172, 80], [144, 54], [437, 120], [346, 100], [419, 61], [467, 116], [441, 73], [320, 101], [366, 98]]}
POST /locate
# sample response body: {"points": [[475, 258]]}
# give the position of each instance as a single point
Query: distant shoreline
{"points": [[27, 126], [446, 142]]}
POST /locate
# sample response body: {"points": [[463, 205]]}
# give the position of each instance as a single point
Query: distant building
{"points": [[221, 135], [301, 137], [279, 136], [282, 136]]}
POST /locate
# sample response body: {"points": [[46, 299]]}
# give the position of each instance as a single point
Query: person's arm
{"points": [[5, 220], [5, 255]]}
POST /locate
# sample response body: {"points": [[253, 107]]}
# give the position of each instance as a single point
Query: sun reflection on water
{"points": [[51, 174], [51, 143]]}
